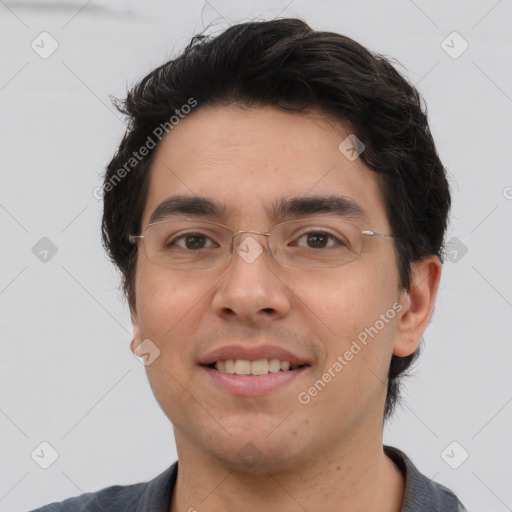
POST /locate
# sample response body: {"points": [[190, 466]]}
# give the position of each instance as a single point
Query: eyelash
{"points": [[296, 239]]}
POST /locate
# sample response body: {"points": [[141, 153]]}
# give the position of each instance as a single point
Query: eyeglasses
{"points": [[318, 242]]}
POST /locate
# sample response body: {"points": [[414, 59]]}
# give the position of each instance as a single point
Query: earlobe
{"points": [[417, 305]]}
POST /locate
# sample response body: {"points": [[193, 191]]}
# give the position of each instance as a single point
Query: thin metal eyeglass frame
{"points": [[134, 238]]}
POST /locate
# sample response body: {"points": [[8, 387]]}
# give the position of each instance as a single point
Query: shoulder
{"points": [[111, 498], [118, 498], [422, 493]]}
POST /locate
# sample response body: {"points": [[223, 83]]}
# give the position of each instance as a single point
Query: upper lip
{"points": [[251, 354]]}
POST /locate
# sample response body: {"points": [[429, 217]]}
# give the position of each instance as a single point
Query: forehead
{"points": [[252, 162]]}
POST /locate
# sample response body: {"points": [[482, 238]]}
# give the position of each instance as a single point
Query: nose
{"points": [[253, 287]]}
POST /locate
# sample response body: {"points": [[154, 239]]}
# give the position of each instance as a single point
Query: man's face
{"points": [[247, 160]]}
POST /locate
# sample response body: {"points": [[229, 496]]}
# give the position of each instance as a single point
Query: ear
{"points": [[137, 337], [417, 305]]}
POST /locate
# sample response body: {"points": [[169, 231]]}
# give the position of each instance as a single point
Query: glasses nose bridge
{"points": [[267, 234]]}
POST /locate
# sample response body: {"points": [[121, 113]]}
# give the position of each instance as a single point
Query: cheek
{"points": [[355, 318], [165, 307], [168, 309], [345, 302]]}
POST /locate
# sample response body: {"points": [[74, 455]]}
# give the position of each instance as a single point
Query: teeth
{"points": [[230, 366], [242, 367], [274, 365], [260, 367]]}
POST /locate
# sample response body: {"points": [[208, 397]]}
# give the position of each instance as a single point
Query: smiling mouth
{"points": [[256, 368]]}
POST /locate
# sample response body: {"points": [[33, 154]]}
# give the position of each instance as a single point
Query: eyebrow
{"points": [[280, 209]]}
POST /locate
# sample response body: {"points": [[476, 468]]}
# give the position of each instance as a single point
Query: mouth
{"points": [[243, 370], [256, 368], [246, 378]]}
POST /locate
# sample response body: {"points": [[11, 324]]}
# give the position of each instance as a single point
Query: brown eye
{"points": [[318, 240], [192, 241]]}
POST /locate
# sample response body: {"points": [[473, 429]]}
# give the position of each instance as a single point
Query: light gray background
{"points": [[67, 375]]}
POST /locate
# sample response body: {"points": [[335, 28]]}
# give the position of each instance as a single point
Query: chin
{"points": [[256, 451]]}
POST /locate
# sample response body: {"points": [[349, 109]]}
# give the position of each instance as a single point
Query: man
{"points": [[277, 209]]}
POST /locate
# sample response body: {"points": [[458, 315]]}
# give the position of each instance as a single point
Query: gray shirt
{"points": [[421, 493]]}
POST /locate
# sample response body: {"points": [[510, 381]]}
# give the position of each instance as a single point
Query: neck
{"points": [[356, 477]]}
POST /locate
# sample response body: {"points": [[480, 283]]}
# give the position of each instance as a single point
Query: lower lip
{"points": [[253, 385]]}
